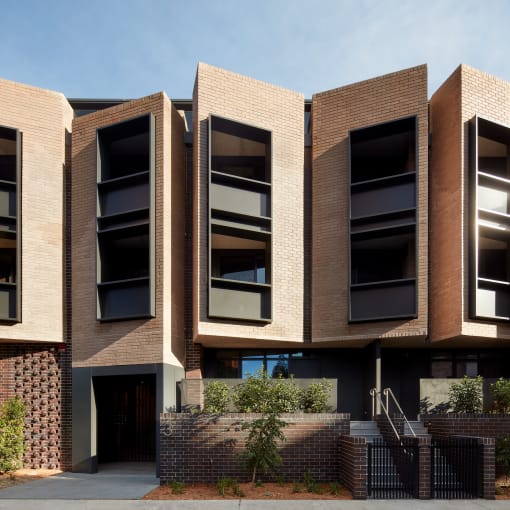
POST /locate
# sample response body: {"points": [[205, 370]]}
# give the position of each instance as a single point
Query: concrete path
{"points": [[243, 504], [129, 481]]}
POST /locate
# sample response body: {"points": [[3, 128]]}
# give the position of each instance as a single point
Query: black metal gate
{"points": [[392, 469], [456, 468]]}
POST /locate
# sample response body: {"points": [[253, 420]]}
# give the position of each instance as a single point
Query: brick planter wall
{"points": [[475, 425], [353, 465], [204, 447]]}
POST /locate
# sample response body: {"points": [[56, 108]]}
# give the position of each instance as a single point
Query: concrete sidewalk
{"points": [[128, 481], [477, 504]]}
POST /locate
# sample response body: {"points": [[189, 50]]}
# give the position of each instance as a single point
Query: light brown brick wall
{"points": [[43, 117], [466, 93], [280, 111], [132, 341], [446, 210], [334, 114]]}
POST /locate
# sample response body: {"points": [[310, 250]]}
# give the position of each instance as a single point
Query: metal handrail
{"points": [[376, 394], [387, 391]]}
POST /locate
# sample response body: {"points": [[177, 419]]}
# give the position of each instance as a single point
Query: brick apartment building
{"points": [[363, 236]]}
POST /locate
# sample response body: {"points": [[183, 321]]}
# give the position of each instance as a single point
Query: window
{"points": [[125, 223], [383, 221], [10, 179], [490, 246], [240, 221]]}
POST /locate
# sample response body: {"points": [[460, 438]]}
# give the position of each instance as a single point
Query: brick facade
{"points": [[466, 93], [280, 111], [334, 114], [203, 448], [143, 341]]}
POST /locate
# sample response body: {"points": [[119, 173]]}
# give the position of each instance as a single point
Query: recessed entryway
{"points": [[126, 418]]}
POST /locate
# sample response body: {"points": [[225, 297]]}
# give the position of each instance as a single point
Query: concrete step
{"points": [[361, 427], [418, 428]]}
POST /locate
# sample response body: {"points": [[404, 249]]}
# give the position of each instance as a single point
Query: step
{"points": [[359, 427], [418, 428]]}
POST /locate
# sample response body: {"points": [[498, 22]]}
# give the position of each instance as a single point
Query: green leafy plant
{"points": [[315, 398], [311, 485], [12, 426], [466, 395], [261, 394], [296, 487], [335, 488], [503, 453], [177, 487], [216, 397], [261, 454], [224, 484], [500, 391]]}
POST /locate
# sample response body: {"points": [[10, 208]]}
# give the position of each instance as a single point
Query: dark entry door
{"points": [[126, 418]]}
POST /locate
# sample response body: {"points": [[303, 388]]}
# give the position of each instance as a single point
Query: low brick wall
{"points": [[352, 455], [205, 447], [474, 425]]}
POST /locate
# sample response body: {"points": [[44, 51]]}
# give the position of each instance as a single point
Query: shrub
{"points": [[177, 487], [216, 397], [466, 395], [12, 425], [225, 483], [311, 485], [501, 392], [503, 453], [315, 398], [260, 394]]}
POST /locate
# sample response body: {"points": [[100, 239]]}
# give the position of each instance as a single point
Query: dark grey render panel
{"points": [[84, 435], [117, 200], [383, 301], [249, 304], [239, 201], [121, 301], [383, 200]]}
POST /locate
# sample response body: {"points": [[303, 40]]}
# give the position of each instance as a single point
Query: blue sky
{"points": [[130, 48]]}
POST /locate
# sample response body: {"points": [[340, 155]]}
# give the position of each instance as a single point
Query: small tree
{"points": [[466, 395], [315, 398], [270, 398], [12, 425], [216, 397], [261, 446], [501, 392]]}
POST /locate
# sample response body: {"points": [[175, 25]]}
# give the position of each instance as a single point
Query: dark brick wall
{"points": [[353, 465], [203, 448], [40, 374], [475, 425]]}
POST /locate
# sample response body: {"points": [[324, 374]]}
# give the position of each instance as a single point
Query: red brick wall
{"points": [[203, 447], [42, 377]]}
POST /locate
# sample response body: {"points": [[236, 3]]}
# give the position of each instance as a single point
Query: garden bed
{"points": [[286, 491]]}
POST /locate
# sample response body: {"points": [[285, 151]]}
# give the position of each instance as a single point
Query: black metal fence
{"points": [[456, 468], [392, 469]]}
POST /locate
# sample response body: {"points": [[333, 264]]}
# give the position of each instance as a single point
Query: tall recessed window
{"points": [[125, 222], [239, 221], [383, 221], [490, 194], [10, 180]]}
